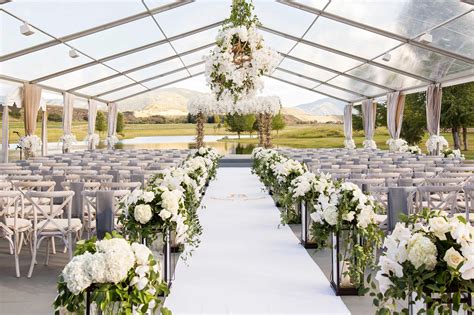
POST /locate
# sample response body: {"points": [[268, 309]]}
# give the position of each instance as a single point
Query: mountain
{"points": [[300, 115], [164, 102], [323, 107]]}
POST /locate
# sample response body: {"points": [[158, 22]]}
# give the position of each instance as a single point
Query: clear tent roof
{"points": [[334, 48]]}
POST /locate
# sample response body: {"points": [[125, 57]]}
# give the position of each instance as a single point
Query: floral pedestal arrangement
{"points": [[429, 260], [111, 275]]}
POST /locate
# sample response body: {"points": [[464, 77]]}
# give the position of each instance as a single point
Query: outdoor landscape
{"points": [[314, 125]]}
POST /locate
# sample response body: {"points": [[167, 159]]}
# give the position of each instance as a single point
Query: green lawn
{"points": [[295, 136]]}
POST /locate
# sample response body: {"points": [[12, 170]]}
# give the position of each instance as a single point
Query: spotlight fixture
{"points": [[426, 38], [73, 53], [387, 57], [26, 30]]}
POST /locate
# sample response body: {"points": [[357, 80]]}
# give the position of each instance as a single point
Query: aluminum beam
{"points": [[306, 88], [128, 52], [351, 56], [321, 82], [411, 41], [388, 89], [93, 30], [159, 87], [141, 67], [151, 78]]}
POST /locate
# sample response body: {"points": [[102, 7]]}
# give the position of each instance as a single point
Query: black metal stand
{"points": [[337, 265], [305, 224]]}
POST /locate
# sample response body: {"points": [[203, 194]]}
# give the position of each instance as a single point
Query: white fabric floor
{"points": [[246, 263]]}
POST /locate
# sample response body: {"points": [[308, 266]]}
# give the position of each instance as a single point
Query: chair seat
{"points": [[76, 225], [21, 224]]}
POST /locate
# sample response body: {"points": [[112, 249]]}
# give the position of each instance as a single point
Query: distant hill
{"points": [[323, 107], [303, 117]]}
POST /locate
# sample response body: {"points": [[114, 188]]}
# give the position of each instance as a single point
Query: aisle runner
{"points": [[245, 264]]}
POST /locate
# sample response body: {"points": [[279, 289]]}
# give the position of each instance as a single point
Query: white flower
{"points": [[401, 233], [397, 145], [330, 215], [349, 216], [422, 251], [119, 258], [369, 144], [453, 258], [349, 144], [75, 275], [148, 196], [317, 217], [96, 267], [434, 140], [365, 217], [142, 253], [439, 226], [139, 282], [165, 214], [467, 269], [143, 213], [389, 266], [384, 282], [170, 201], [461, 232]]}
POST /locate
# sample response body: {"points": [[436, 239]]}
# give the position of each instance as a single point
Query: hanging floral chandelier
{"points": [[235, 66]]}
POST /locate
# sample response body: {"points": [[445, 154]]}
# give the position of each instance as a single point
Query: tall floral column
{"points": [[260, 129], [199, 130]]}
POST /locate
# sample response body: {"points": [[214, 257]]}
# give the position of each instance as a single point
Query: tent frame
{"points": [[169, 41]]}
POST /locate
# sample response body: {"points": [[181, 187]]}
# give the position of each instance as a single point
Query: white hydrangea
{"points": [[330, 215], [434, 140], [75, 275], [119, 258], [422, 251], [397, 145]]}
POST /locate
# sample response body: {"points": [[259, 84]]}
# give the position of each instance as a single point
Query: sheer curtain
{"points": [[31, 104], [348, 141], [68, 108], [369, 110], [112, 124], [12, 98], [434, 93], [395, 107], [92, 115]]}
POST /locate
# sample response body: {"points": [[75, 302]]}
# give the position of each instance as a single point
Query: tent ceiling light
{"points": [[426, 38], [73, 53], [387, 57], [26, 30]]}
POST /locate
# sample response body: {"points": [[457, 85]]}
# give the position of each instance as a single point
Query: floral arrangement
{"points": [[427, 254], [213, 155], [414, 149], [397, 145], [205, 104], [30, 144], [343, 208], [67, 141], [145, 214], [235, 66], [92, 140], [450, 153], [434, 141], [112, 141], [120, 278], [349, 144], [369, 144]]}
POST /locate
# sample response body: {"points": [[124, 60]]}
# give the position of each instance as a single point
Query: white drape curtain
{"points": [[31, 104], [92, 115], [369, 110], [67, 113], [112, 119], [348, 141], [112, 123], [395, 107], [13, 98], [433, 108]]}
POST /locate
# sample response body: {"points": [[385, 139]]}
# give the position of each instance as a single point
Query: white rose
{"points": [[330, 215], [421, 251], [401, 233], [165, 214], [439, 226], [170, 201], [148, 196], [317, 216], [453, 258], [349, 216], [143, 213]]}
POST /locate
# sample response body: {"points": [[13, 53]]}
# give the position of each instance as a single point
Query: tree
{"points": [[100, 123], [120, 122], [278, 123], [414, 118], [457, 112], [240, 123]]}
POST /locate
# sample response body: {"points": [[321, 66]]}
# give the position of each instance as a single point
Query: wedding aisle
{"points": [[245, 263]]}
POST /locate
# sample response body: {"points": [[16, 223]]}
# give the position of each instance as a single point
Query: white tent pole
{"points": [[5, 133]]}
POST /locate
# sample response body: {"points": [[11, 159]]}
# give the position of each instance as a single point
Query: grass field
{"points": [[296, 136]]}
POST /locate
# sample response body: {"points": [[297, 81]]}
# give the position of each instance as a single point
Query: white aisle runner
{"points": [[245, 263]]}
